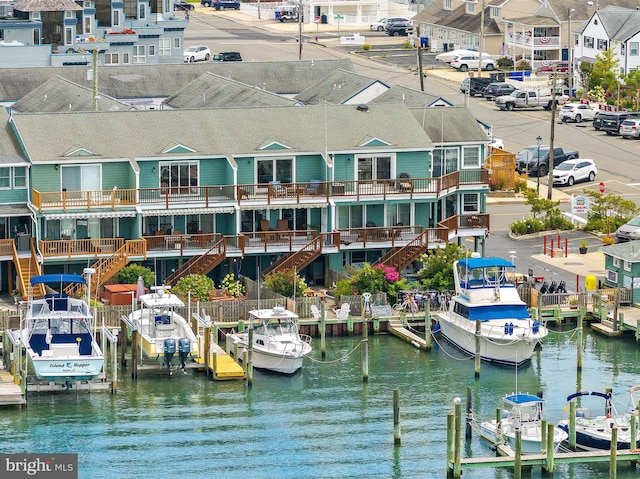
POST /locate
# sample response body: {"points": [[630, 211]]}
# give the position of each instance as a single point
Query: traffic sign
{"points": [[579, 204], [601, 187], [338, 17]]}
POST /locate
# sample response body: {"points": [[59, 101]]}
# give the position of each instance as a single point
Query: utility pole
{"points": [[419, 51], [300, 31], [95, 79], [552, 135], [570, 45], [481, 42]]}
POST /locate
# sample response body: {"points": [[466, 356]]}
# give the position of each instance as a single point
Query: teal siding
{"points": [[245, 171], [117, 174], [421, 214], [215, 171], [148, 177], [225, 224], [45, 178], [343, 168], [128, 228], [417, 164], [375, 213], [309, 168], [14, 196]]}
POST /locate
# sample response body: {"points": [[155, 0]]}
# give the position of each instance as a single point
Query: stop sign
{"points": [[601, 187]]}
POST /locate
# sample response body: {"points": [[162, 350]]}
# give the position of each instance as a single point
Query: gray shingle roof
{"points": [[9, 150], [338, 87], [237, 131], [457, 18], [412, 98], [627, 251], [619, 23], [60, 94], [46, 5], [161, 81], [450, 125], [215, 91]]}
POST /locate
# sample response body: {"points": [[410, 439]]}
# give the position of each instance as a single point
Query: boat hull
{"points": [[504, 349], [598, 439], [283, 362], [67, 369], [531, 435]]}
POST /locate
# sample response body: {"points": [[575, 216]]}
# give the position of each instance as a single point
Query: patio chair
{"points": [[277, 189], [343, 311], [315, 188], [315, 311], [402, 184]]}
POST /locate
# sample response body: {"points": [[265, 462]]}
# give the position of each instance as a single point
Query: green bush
{"points": [[233, 286], [366, 47], [198, 285], [130, 273], [282, 282], [504, 63], [527, 226]]}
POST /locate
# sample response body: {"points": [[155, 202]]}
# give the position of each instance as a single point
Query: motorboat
{"points": [[523, 412], [486, 292], [163, 331], [277, 344], [58, 333], [593, 432]]}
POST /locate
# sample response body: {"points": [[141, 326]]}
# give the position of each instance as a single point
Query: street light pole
{"points": [[539, 142], [570, 42], [480, 42]]}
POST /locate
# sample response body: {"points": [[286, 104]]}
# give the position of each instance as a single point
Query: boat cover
{"points": [[57, 279], [523, 399], [498, 311], [471, 263]]}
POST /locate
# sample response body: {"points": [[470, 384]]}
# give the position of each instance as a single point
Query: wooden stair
{"points": [[298, 260], [107, 268], [400, 258], [26, 268], [200, 264]]}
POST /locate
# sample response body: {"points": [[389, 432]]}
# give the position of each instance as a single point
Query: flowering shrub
{"points": [[282, 282], [233, 286], [371, 279]]}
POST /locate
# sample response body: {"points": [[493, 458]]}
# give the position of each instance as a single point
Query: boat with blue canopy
{"points": [[487, 298], [58, 333]]}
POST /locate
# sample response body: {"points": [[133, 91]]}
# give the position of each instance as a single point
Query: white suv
{"points": [[196, 54], [577, 112], [470, 62], [380, 25]]}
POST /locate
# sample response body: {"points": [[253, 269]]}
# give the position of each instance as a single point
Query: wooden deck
{"points": [[10, 392], [396, 328]]}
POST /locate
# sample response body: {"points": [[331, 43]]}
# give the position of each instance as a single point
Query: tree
{"points": [[371, 279], [437, 272], [621, 210], [130, 273], [282, 282], [605, 72], [198, 285]]}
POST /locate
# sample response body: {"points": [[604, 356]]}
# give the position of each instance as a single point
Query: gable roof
{"points": [[412, 98], [619, 23], [450, 125], [627, 251], [161, 81], [337, 87], [9, 149], [458, 19], [214, 91], [60, 94], [146, 134], [45, 5]]}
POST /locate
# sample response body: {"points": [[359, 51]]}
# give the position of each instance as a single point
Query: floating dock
{"points": [[398, 329], [222, 366], [10, 392]]}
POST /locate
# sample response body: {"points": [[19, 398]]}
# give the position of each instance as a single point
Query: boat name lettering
{"points": [[69, 366]]}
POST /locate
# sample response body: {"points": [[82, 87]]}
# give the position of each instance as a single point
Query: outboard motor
{"points": [[184, 348], [562, 287], [169, 351], [552, 288], [544, 287]]}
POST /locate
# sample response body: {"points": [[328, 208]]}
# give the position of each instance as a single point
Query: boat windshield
{"points": [[492, 312], [489, 277], [59, 326]]}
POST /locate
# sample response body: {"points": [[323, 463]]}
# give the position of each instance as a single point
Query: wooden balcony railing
{"points": [[206, 196], [388, 234], [93, 247], [466, 221], [181, 243]]}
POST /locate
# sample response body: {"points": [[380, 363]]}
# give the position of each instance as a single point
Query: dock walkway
{"points": [[10, 392], [398, 329]]}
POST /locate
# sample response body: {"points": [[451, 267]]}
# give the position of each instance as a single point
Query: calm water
{"points": [[321, 423]]}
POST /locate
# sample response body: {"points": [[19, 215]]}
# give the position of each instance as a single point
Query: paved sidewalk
{"points": [[580, 264]]}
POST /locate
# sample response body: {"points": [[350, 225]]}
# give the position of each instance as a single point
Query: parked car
{"points": [[597, 120], [226, 5], [227, 57], [471, 62], [474, 86], [197, 53], [182, 5], [572, 171], [448, 56], [289, 16], [577, 112], [560, 67], [380, 24], [535, 159], [398, 28], [612, 121], [630, 128], [629, 231], [497, 89]]}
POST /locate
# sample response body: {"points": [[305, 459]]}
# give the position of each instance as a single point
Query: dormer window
{"points": [[86, 4], [68, 14], [447, 4], [35, 16], [471, 8], [495, 12]]}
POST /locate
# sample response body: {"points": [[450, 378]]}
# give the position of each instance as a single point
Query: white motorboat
{"points": [[523, 411], [486, 292], [277, 344], [163, 331], [593, 432], [58, 333]]}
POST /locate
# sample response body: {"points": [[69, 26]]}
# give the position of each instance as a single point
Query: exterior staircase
{"points": [[107, 268], [26, 268], [200, 264], [402, 257], [298, 260]]}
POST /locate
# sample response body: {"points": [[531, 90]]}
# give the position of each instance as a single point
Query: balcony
{"points": [[538, 42], [259, 194]]}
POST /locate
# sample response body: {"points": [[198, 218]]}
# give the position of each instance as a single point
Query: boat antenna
{"points": [[258, 279]]}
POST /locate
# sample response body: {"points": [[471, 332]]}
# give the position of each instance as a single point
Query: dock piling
{"points": [[477, 359], [517, 468], [469, 419], [543, 436], [633, 425], [323, 331], [572, 425], [613, 464], [365, 351], [427, 325], [579, 343], [396, 417], [450, 445], [457, 467], [550, 451], [250, 356]]}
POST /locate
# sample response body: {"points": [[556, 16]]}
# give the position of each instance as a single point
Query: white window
{"points": [[399, 214], [602, 44], [35, 15], [471, 157], [86, 4], [81, 178], [142, 14], [68, 14], [440, 34], [139, 54], [471, 7], [470, 203], [116, 18], [351, 216], [374, 168], [36, 36], [111, 58], [616, 262], [452, 37], [445, 161], [152, 50], [176, 43], [5, 178], [180, 176], [274, 169], [86, 25], [627, 266], [447, 4], [19, 177], [165, 47], [495, 12], [68, 35], [633, 49], [588, 42]]}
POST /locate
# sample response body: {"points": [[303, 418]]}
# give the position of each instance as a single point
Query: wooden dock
{"points": [[10, 392], [222, 366], [395, 327]]}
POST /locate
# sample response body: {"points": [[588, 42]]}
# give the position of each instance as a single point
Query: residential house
{"points": [[622, 267], [323, 186]]}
